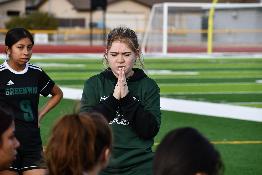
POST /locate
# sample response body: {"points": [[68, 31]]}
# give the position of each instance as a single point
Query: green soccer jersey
{"points": [[21, 90], [135, 119]]}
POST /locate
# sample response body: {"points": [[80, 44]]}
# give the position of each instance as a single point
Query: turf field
{"points": [[227, 80]]}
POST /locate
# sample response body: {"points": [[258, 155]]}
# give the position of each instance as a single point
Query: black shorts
{"points": [[30, 153]]}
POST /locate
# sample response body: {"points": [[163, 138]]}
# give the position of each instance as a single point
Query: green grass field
{"points": [[231, 81]]}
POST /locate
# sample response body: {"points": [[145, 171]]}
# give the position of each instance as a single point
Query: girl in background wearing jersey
{"points": [[21, 84], [129, 100], [80, 144]]}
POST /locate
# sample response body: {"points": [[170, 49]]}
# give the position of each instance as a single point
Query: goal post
{"points": [[210, 27], [183, 27]]}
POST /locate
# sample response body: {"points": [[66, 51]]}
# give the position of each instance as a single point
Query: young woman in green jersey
{"points": [[21, 84], [130, 101]]}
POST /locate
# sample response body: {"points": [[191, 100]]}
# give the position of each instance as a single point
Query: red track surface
{"points": [[64, 49], [67, 49], [100, 49]]}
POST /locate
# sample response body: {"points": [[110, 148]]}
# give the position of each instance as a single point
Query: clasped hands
{"points": [[121, 88]]}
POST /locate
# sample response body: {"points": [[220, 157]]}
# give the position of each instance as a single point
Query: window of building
{"points": [[74, 22], [13, 13]]}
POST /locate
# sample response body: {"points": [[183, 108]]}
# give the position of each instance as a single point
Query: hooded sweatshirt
{"points": [[135, 119]]}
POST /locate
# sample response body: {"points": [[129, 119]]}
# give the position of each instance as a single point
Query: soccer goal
{"points": [[183, 27]]}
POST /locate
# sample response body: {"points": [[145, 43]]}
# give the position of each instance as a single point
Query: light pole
{"points": [[49, 7]]}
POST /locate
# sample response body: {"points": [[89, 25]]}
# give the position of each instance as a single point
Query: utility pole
{"points": [[49, 7], [97, 4]]}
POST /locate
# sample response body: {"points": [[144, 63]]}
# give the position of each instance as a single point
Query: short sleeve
{"points": [[46, 84]]}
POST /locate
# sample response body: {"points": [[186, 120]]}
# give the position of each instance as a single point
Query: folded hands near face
{"points": [[121, 88]]}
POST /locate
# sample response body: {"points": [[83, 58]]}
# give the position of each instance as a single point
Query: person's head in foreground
{"points": [[122, 51], [79, 144], [185, 151], [8, 141]]}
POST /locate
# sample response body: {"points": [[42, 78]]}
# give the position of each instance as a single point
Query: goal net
{"points": [[183, 27]]}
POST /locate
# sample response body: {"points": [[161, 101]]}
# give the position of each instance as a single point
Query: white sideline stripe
{"points": [[72, 93], [212, 109], [193, 107]]}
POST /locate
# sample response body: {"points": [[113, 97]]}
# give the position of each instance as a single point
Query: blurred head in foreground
{"points": [[79, 144], [8, 141], [186, 151]]}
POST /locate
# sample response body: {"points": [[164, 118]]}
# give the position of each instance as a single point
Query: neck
{"points": [[16, 67], [94, 171]]}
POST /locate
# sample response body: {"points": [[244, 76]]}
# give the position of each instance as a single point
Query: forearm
{"points": [[107, 107], [143, 121], [57, 95], [50, 104], [146, 124]]}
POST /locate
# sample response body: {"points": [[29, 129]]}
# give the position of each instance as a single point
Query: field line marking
{"points": [[233, 142], [193, 107], [212, 109], [238, 142]]}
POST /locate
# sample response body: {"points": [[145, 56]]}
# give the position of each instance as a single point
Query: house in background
{"points": [[130, 13], [135, 14], [76, 13], [11, 8]]}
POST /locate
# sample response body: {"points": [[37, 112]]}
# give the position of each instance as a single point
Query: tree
{"points": [[36, 20]]}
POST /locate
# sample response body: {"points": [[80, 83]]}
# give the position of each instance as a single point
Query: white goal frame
{"points": [[165, 6]]}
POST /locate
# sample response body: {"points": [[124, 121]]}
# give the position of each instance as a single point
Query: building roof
{"points": [[81, 5], [85, 5], [6, 1]]}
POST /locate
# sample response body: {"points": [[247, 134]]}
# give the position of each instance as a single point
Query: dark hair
{"points": [[6, 120], [16, 34], [186, 151], [76, 143], [125, 35]]}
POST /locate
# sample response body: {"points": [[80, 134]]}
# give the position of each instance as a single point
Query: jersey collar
{"points": [[14, 71]]}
